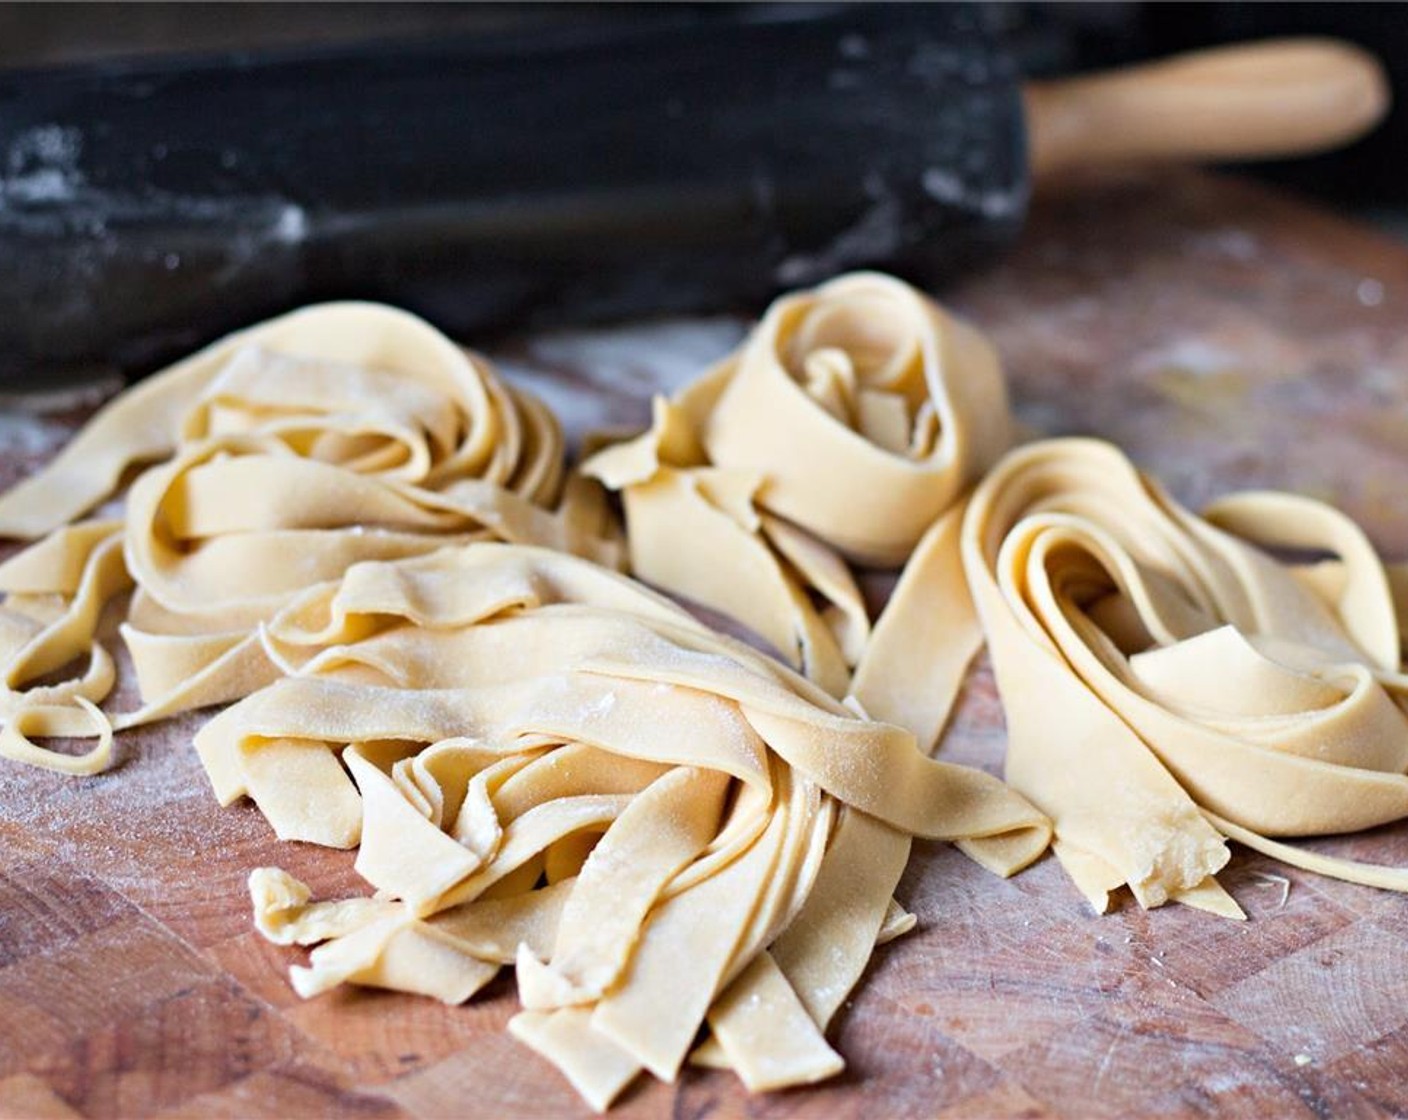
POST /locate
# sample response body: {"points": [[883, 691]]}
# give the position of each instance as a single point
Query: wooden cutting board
{"points": [[1227, 337]]}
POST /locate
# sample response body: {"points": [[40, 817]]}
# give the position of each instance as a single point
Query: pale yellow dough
{"points": [[540, 762], [275, 459], [1167, 683], [851, 418], [717, 837]]}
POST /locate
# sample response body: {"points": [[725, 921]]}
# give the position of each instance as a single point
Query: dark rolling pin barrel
{"points": [[575, 175]]}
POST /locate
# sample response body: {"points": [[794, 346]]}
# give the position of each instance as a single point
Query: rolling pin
{"points": [[572, 175]]}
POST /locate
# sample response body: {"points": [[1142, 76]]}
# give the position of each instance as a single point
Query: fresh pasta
{"points": [[851, 418], [549, 766], [352, 533], [264, 465], [1168, 684]]}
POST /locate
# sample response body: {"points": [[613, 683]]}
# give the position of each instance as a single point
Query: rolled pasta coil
{"points": [[851, 418]]}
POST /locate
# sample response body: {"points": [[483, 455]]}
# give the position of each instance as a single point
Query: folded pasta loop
{"points": [[1167, 681]]}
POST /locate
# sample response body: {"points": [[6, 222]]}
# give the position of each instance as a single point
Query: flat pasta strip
{"points": [[766, 1034], [1167, 682], [852, 417], [596, 1067], [269, 463]]}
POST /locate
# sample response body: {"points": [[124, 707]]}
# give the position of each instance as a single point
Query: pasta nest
{"points": [[265, 464], [850, 419]]}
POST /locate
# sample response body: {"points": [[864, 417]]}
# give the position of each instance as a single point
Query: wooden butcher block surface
{"points": [[1225, 336]]}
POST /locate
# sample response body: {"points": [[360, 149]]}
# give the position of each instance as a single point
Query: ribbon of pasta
{"points": [[549, 765], [1167, 682], [274, 460], [851, 418]]}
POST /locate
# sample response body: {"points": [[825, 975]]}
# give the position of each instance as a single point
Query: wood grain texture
{"points": [[1226, 337]]}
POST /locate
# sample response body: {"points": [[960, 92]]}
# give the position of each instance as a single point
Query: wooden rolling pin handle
{"points": [[1280, 97]]}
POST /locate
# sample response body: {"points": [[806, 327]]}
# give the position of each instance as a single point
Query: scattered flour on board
{"points": [[599, 379], [1191, 355], [1228, 243], [28, 436], [667, 353], [1369, 292], [1227, 1081]]}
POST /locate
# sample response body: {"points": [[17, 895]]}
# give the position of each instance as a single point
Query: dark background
{"points": [[153, 260], [1046, 38]]}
